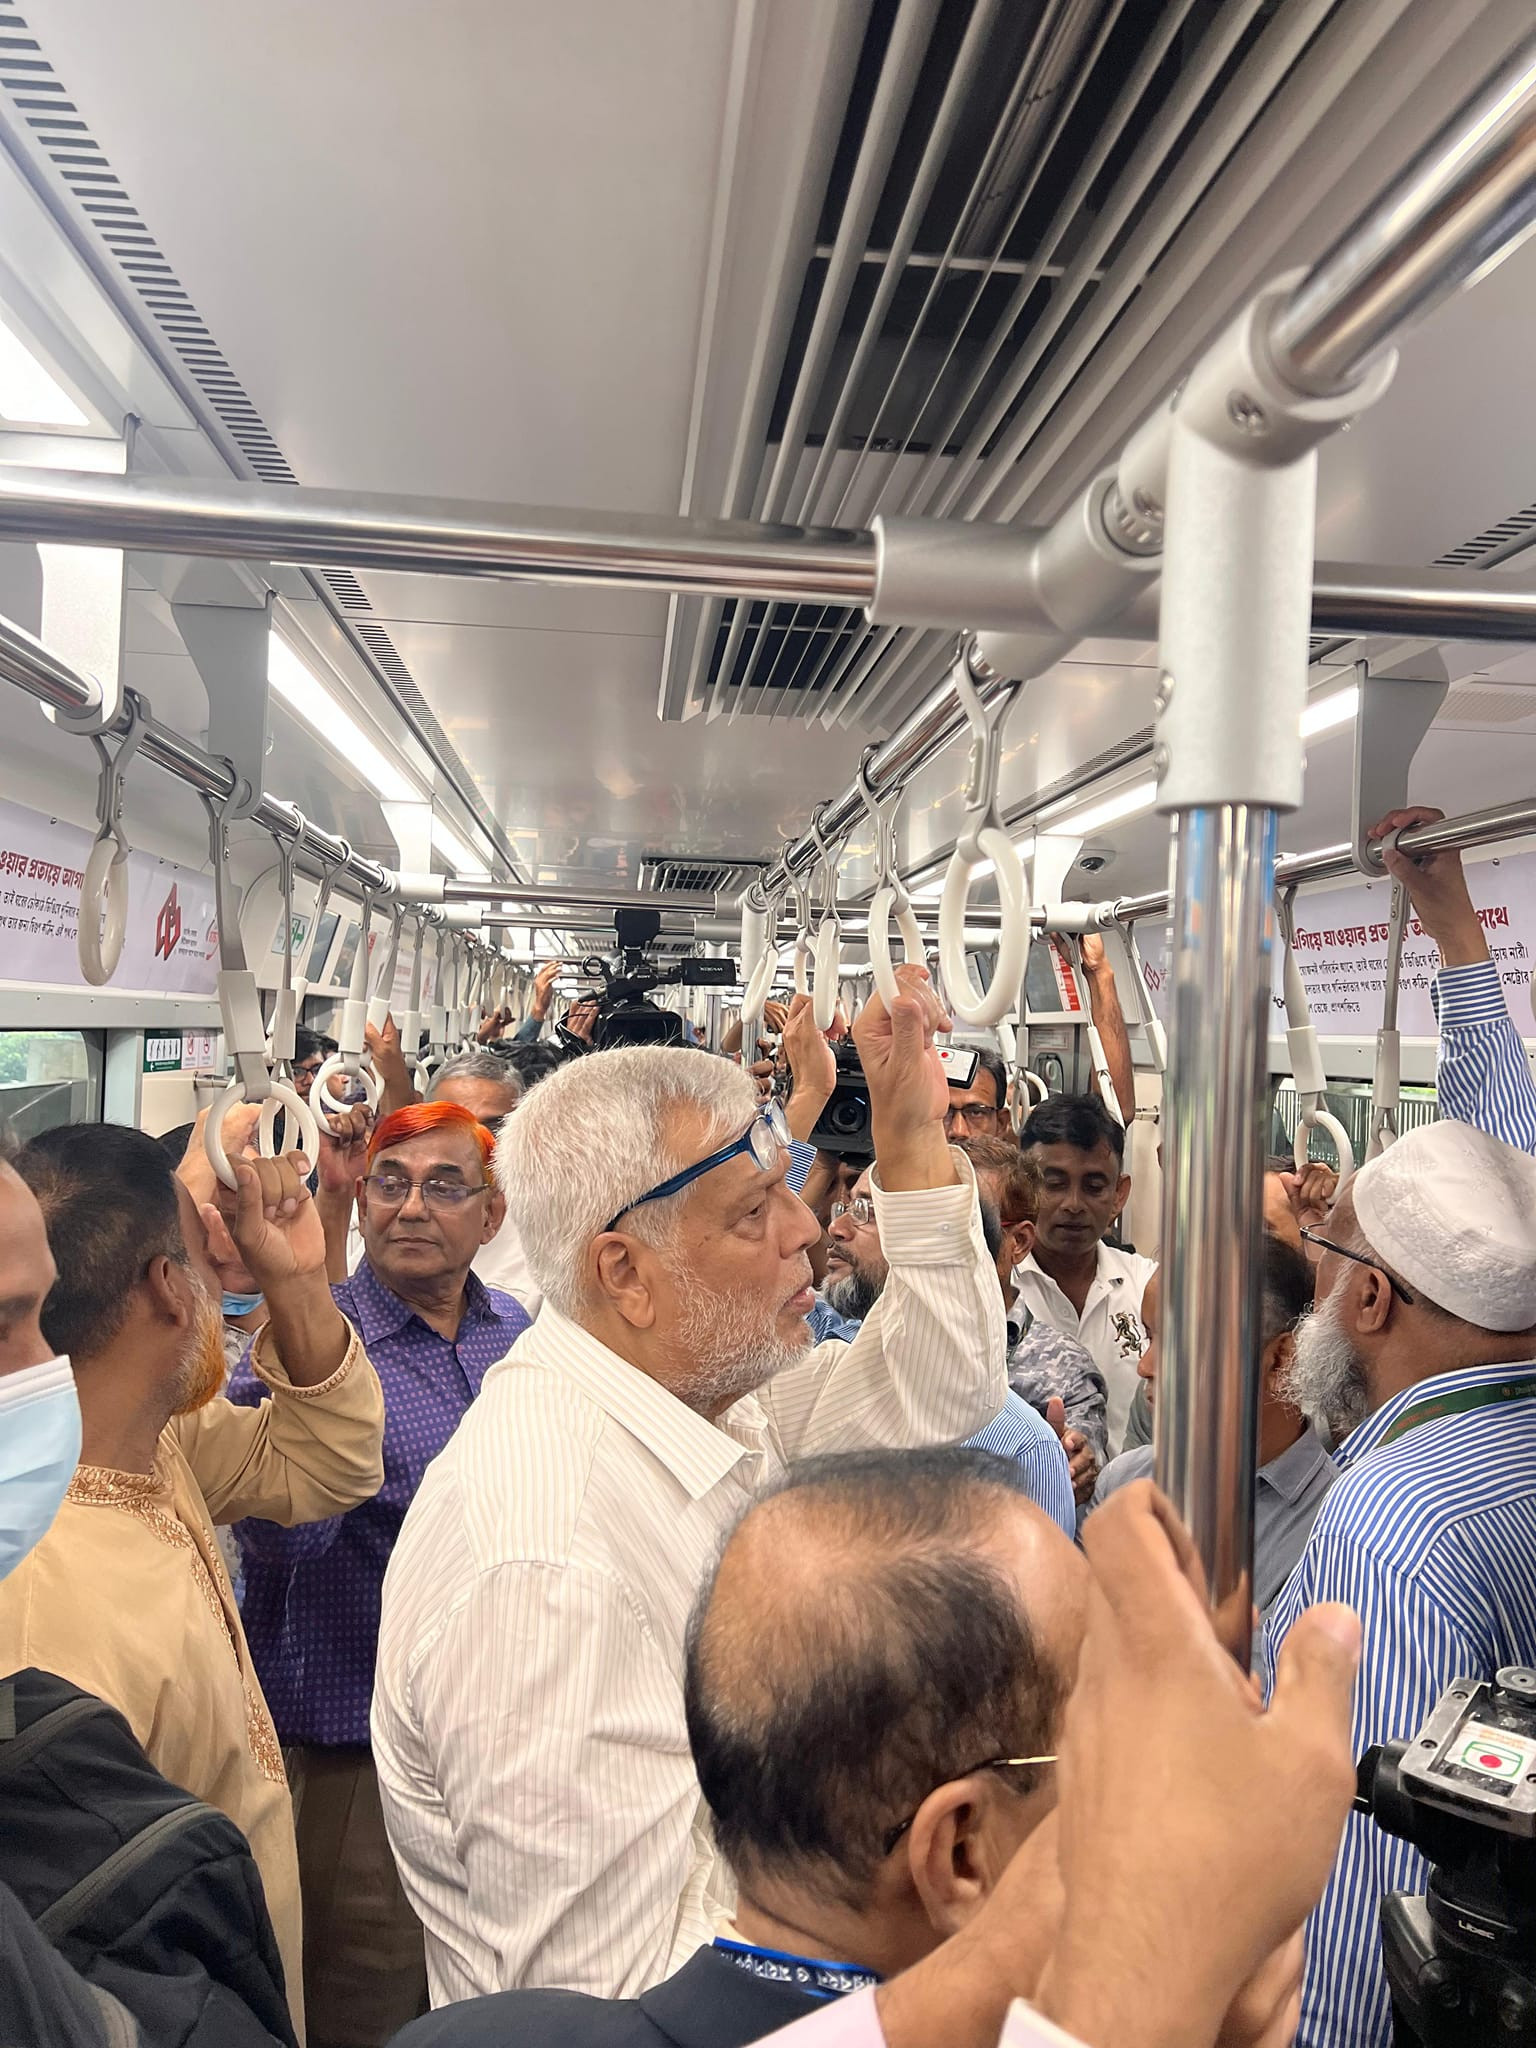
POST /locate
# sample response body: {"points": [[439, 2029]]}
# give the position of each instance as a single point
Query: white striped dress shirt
{"points": [[528, 1711], [1484, 1075], [1432, 1541]]}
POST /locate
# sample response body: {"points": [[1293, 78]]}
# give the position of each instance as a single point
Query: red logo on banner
{"points": [[168, 926]]}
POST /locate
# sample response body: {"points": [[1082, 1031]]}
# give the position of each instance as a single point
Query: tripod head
{"points": [[1461, 1958]]}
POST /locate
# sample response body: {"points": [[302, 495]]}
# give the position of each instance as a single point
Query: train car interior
{"points": [[620, 522]]}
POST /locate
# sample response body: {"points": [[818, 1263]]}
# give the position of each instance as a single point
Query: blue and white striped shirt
{"points": [[1432, 1541], [1484, 1075], [1019, 1434]]}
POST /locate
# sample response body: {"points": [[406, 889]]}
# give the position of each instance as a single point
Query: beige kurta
{"points": [[127, 1595]]}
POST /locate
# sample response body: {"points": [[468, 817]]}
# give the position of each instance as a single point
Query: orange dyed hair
{"points": [[417, 1118]]}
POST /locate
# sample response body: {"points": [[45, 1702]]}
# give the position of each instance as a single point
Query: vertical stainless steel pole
{"points": [[1213, 1163]]}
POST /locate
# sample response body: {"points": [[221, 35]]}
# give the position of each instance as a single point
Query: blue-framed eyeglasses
{"points": [[765, 1138]]}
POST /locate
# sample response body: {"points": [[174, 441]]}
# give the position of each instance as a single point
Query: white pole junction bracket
{"points": [[1237, 568], [229, 645], [1397, 706]]}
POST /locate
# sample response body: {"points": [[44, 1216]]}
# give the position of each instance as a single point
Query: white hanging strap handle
{"points": [[1306, 1058], [410, 1023], [351, 1040], [982, 838], [765, 967], [384, 980], [1151, 1024], [805, 939], [103, 922], [890, 898], [828, 953], [1387, 1074], [245, 1035], [329, 870], [285, 1015]]}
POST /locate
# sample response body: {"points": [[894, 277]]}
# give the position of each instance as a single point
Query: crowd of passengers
{"points": [[634, 1578]]}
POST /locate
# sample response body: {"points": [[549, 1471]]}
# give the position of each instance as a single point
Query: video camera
{"points": [[1459, 1958], [844, 1124], [624, 1015]]}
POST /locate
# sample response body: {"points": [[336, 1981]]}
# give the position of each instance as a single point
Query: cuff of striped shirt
{"points": [[929, 1226], [1473, 994], [854, 2022], [802, 1158], [268, 1367]]}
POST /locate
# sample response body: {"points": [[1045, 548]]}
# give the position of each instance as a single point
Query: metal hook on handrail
{"points": [[890, 897], [983, 838], [245, 1035], [1306, 1058], [103, 921]]}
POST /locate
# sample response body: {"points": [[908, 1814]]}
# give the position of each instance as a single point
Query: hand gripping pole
{"points": [[103, 921], [983, 838]]}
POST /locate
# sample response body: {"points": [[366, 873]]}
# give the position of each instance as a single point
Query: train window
{"points": [[49, 1078]]}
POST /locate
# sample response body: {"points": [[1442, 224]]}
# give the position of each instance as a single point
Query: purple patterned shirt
{"points": [[311, 1607]]}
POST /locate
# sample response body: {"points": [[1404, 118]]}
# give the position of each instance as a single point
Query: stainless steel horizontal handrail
{"points": [[437, 536], [1465, 200], [27, 663], [1471, 828]]}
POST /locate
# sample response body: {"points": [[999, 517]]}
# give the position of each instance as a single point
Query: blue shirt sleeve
{"points": [[1017, 1432], [527, 1032], [802, 1158], [1484, 1075]]}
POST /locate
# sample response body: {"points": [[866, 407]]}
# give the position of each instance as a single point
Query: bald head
{"points": [[877, 1626]]}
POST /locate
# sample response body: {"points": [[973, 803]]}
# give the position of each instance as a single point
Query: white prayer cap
{"points": [[1454, 1212]]}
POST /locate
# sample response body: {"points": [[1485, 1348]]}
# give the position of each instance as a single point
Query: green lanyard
{"points": [[1491, 1395]]}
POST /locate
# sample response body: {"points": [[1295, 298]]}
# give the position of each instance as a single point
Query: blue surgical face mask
{"points": [[241, 1304], [39, 1450]]}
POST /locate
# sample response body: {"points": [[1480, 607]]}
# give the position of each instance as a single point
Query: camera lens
{"points": [[848, 1115]]}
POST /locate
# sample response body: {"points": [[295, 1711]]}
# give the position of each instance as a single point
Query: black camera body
{"points": [[625, 1015], [844, 1123], [1460, 1957]]}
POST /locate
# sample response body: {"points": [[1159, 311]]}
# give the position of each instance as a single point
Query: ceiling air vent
{"points": [[1494, 544], [1488, 704], [696, 873], [81, 165]]}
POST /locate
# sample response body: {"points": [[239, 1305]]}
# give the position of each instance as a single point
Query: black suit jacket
{"points": [[708, 2003]]}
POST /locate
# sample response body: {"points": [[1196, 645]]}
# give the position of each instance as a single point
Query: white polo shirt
{"points": [[1110, 1328]]}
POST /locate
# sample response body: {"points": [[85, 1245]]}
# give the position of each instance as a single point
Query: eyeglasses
{"points": [[995, 1763], [765, 1138], [394, 1190], [971, 1112], [861, 1210], [1327, 1244], [308, 1068]]}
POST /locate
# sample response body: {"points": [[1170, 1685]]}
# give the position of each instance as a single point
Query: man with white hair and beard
{"points": [[528, 1719], [1420, 1356], [127, 1595]]}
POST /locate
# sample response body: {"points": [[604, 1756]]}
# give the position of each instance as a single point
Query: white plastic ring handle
{"points": [[1323, 1120], [297, 1110], [886, 901], [829, 958], [103, 911], [1035, 1084], [805, 953], [756, 997], [992, 844], [318, 1088]]}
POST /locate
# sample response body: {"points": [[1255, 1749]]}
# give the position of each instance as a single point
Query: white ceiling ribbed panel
{"points": [[1038, 212]]}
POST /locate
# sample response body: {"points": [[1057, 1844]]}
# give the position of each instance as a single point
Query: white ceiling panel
{"points": [[560, 731]]}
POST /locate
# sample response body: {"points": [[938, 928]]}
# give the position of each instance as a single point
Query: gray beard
{"points": [[853, 1295], [1326, 1376], [732, 1353]]}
